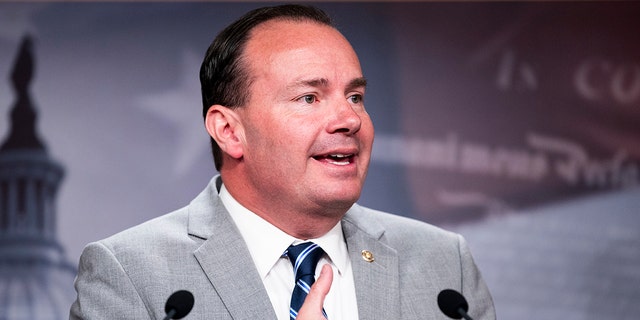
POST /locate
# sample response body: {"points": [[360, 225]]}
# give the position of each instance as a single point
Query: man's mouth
{"points": [[339, 159]]}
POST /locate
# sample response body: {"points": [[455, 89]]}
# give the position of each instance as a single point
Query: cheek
{"points": [[282, 134], [367, 131], [292, 131], [273, 137]]}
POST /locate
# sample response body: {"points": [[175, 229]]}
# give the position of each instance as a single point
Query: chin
{"points": [[341, 201], [336, 194]]}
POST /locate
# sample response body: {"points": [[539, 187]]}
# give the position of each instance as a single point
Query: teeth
{"points": [[339, 159], [339, 163]]}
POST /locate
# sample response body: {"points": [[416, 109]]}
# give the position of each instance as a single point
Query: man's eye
{"points": [[309, 99], [356, 98]]}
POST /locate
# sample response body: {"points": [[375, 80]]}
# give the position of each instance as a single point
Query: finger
{"points": [[312, 307], [321, 287]]}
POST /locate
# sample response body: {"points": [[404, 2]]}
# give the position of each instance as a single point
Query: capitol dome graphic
{"points": [[36, 280]]}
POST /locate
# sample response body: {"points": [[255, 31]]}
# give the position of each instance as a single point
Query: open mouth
{"points": [[336, 159]]}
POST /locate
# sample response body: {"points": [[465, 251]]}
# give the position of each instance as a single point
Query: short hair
{"points": [[224, 78]]}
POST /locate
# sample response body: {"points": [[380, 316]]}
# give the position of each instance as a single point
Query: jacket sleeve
{"points": [[474, 288], [104, 289]]}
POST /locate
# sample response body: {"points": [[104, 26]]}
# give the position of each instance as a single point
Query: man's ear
{"points": [[225, 127]]}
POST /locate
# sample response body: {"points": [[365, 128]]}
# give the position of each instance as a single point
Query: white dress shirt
{"points": [[267, 244]]}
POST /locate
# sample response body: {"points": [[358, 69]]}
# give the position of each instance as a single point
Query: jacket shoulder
{"points": [[161, 233], [395, 228]]}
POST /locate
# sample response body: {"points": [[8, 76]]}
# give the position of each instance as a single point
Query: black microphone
{"points": [[178, 305], [453, 304]]}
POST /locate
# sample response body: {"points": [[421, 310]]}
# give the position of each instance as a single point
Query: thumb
{"points": [[312, 307]]}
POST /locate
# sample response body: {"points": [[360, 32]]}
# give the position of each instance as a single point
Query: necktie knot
{"points": [[304, 257]]}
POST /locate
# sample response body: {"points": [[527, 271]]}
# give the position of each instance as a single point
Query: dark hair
{"points": [[224, 78]]}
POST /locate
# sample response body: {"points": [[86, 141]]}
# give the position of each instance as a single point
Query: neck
{"points": [[305, 229], [308, 223], [305, 224]]}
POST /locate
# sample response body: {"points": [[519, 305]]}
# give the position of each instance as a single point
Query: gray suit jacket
{"points": [[131, 274]]}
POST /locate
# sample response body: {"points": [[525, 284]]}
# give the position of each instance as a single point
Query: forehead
{"points": [[268, 40], [288, 29], [288, 50]]}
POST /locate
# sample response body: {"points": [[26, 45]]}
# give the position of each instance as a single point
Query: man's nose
{"points": [[344, 118]]}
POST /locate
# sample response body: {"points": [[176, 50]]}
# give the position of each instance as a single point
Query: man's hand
{"points": [[312, 307]]}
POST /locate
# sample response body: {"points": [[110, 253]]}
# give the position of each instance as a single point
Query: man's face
{"points": [[308, 137]]}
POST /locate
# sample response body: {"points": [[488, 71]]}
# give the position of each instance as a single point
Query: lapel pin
{"points": [[367, 256]]}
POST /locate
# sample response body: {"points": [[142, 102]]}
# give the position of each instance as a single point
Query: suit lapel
{"points": [[225, 259], [376, 282]]}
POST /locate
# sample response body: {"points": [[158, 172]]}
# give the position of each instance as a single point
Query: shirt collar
{"points": [[267, 243], [334, 245]]}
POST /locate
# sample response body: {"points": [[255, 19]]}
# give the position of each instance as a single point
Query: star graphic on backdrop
{"points": [[171, 105]]}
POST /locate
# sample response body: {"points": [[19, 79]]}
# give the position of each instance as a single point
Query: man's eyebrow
{"points": [[360, 82], [318, 82], [357, 83]]}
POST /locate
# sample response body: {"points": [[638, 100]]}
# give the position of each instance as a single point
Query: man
{"points": [[283, 103]]}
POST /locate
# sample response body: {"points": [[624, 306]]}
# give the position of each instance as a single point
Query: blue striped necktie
{"points": [[304, 258]]}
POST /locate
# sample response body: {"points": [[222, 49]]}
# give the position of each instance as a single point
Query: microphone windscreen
{"points": [[180, 301], [450, 301]]}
